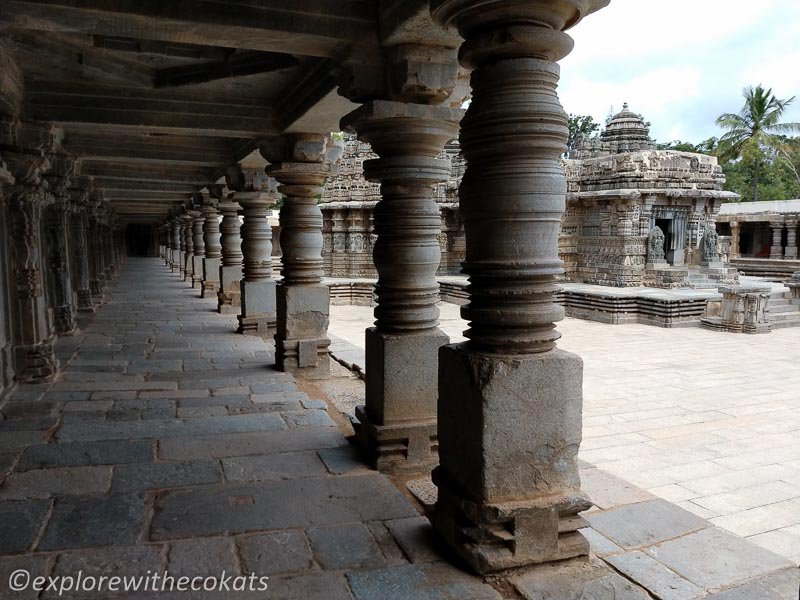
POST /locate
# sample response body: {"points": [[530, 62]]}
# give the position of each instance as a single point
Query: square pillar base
{"points": [[791, 253], [258, 316], [509, 433], [197, 272], [398, 422], [229, 295], [211, 267], [85, 304], [37, 363], [301, 340], [64, 320]]}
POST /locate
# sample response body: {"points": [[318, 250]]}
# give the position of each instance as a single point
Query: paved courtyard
{"points": [[170, 443], [707, 420]]}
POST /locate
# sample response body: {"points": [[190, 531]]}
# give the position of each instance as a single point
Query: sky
{"points": [[682, 63]]}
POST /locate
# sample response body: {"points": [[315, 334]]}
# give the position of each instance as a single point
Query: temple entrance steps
{"points": [[783, 312], [773, 269]]}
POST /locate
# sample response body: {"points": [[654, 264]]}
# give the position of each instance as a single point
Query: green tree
{"points": [[580, 125], [755, 132]]}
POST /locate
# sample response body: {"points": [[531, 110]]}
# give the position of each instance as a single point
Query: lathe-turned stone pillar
{"points": [[791, 239], [509, 400], [776, 251], [188, 245], [199, 248], [229, 297], [33, 333], [213, 258], [80, 257], [300, 163], [97, 280], [177, 242], [736, 231], [258, 304], [398, 420]]}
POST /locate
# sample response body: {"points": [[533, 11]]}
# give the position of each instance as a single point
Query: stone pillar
{"points": [[509, 400], [199, 246], [80, 257], [58, 265], [258, 310], [213, 258], [97, 277], [188, 244], [398, 420], [735, 240], [33, 335], [791, 239], [776, 252], [177, 242], [161, 242], [300, 163], [229, 297]]}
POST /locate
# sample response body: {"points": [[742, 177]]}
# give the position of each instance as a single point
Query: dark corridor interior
{"points": [[139, 240]]}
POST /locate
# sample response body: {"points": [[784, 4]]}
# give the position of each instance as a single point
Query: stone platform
{"points": [[169, 442]]}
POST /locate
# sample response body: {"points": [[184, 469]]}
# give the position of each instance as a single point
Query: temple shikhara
{"points": [[283, 287]]}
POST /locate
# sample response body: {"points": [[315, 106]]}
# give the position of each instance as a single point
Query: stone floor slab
{"points": [[347, 546], [153, 476], [645, 523], [420, 582], [275, 553], [290, 465], [20, 522], [654, 576], [46, 483]]}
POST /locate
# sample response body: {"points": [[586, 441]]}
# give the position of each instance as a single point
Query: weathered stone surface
{"points": [[140, 477], [45, 483], [203, 557], [304, 587], [171, 428], [273, 467], [275, 552], [348, 546], [36, 565], [344, 460], [116, 520], [732, 560], [308, 418], [655, 577], [244, 444], [778, 586], [282, 504], [421, 582], [577, 580], [417, 538], [645, 523], [20, 523]]}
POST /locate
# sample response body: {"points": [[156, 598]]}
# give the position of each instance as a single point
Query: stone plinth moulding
{"points": [[509, 400], [744, 309], [300, 164]]}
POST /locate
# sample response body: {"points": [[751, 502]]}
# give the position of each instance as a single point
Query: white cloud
{"points": [[682, 63]]}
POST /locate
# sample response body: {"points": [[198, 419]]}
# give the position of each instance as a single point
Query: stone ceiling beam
{"points": [[180, 150], [238, 65], [166, 173], [119, 111], [303, 27]]}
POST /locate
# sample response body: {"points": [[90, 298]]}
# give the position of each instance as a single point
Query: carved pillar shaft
{"points": [[735, 240], [258, 314], [33, 328], [229, 297], [97, 282], [405, 341], [300, 164], [212, 261], [791, 240], [509, 400], [58, 268], [177, 241], [188, 245], [80, 249], [776, 251], [199, 249]]}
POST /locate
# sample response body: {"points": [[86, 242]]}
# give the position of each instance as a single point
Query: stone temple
{"points": [[621, 191], [162, 387]]}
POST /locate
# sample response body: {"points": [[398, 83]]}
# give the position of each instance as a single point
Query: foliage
{"points": [[580, 125], [755, 137]]}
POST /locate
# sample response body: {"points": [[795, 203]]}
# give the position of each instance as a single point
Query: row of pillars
{"points": [[500, 415], [777, 250], [64, 248]]}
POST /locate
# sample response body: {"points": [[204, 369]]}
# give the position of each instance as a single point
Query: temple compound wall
{"points": [[620, 189]]}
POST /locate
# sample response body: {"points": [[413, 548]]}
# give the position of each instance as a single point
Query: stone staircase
{"points": [[782, 312]]}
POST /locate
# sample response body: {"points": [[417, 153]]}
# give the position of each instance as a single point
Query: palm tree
{"points": [[756, 128]]}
